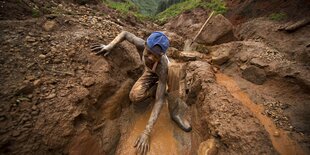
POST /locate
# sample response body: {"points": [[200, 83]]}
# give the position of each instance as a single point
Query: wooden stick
{"points": [[202, 27], [298, 25]]}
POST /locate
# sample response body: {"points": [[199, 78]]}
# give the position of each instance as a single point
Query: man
{"points": [[152, 82]]}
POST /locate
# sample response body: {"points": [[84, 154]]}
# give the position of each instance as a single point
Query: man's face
{"points": [[154, 56]]}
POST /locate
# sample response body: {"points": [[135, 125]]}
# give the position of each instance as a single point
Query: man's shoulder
{"points": [[165, 59]]}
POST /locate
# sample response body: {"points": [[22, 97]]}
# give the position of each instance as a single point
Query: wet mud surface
{"points": [[280, 139], [163, 138]]}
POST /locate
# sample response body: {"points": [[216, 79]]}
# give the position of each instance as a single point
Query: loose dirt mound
{"points": [[52, 88], [25, 9]]}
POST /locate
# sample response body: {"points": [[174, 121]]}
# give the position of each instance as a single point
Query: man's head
{"points": [[157, 43]]}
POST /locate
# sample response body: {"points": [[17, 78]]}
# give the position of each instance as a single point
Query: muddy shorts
{"points": [[146, 85]]}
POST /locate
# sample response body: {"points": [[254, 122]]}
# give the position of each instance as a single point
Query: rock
{"points": [[37, 82], [2, 118], [53, 49], [49, 25], [219, 57], [88, 81], [57, 61], [25, 89], [243, 58], [254, 75], [42, 56], [175, 40], [34, 107], [187, 55], [258, 62], [218, 30], [30, 78], [208, 147], [71, 53], [276, 134], [28, 125], [191, 55], [50, 96], [15, 133], [35, 113], [243, 67], [30, 39]]}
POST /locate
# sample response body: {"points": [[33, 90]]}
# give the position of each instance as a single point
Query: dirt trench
{"points": [[224, 118]]}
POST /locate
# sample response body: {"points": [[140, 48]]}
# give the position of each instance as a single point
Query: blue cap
{"points": [[158, 38]]}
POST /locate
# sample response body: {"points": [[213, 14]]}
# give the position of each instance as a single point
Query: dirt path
{"points": [[280, 140], [165, 138]]}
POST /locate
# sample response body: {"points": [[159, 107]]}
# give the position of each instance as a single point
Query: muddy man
{"points": [[152, 82]]}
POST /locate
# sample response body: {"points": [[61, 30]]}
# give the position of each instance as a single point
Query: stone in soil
{"points": [[25, 89], [220, 56], [254, 75], [50, 96], [258, 62], [49, 25]]}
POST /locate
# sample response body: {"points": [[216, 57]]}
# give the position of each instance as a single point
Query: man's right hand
{"points": [[100, 49], [142, 144]]}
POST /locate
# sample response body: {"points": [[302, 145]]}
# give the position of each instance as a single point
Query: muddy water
{"points": [[280, 140], [162, 138]]}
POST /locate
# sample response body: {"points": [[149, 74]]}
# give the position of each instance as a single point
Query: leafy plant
{"points": [[278, 16]]}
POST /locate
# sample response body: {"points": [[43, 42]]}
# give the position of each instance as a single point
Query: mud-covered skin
{"points": [[142, 143], [124, 35]]}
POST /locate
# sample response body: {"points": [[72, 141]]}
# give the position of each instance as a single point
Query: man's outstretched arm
{"points": [[124, 35], [142, 143]]}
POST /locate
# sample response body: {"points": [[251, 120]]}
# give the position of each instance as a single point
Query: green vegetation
{"points": [[127, 8], [146, 9], [278, 16], [177, 9], [216, 5], [124, 7]]}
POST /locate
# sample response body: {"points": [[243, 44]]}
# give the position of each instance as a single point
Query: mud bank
{"points": [[217, 114], [280, 139]]}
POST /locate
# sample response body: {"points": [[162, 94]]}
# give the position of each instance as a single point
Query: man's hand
{"points": [[100, 48], [142, 144]]}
